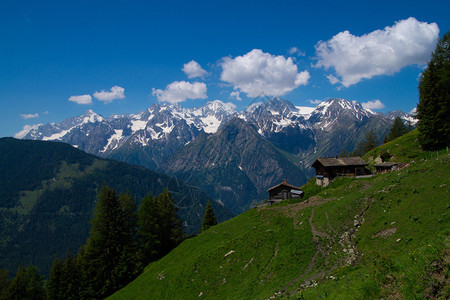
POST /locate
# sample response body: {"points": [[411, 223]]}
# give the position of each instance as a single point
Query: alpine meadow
{"points": [[224, 150]]}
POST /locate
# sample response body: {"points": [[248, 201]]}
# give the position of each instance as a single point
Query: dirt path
{"points": [[321, 248], [324, 243], [292, 209]]}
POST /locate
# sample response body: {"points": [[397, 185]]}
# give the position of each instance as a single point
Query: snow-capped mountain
{"points": [[161, 129], [161, 136], [328, 113], [407, 118]]}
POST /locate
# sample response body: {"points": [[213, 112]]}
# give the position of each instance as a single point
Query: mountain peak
{"points": [[91, 117], [220, 106], [89, 112]]}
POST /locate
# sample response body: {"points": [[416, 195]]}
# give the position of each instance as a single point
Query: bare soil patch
{"points": [[385, 233]]}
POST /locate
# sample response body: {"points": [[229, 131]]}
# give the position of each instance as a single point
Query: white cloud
{"points": [[116, 92], [193, 69], [25, 130], [315, 101], [381, 52], [373, 104], [179, 91], [29, 116], [81, 99], [333, 79], [296, 51], [257, 73], [236, 95]]}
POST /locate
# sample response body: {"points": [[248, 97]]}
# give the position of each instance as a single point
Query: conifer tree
{"points": [[70, 284], [344, 153], [434, 99], [209, 219], [4, 283], [104, 250], [369, 142], [397, 130], [28, 284], [159, 226], [148, 228], [130, 262], [170, 229], [53, 286]]}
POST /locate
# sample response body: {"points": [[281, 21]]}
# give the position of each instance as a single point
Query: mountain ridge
{"points": [[156, 136]]}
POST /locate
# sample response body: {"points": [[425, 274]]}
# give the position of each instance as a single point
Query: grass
{"points": [[380, 237], [403, 236], [67, 173], [265, 243]]}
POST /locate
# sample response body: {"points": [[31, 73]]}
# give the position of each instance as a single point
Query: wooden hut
{"points": [[328, 168], [284, 191]]}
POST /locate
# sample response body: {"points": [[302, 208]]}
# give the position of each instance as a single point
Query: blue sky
{"points": [[123, 56]]}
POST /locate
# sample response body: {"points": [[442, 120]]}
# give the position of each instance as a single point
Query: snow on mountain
{"points": [[305, 111], [144, 128], [273, 116], [58, 131], [407, 118], [163, 128], [328, 113]]}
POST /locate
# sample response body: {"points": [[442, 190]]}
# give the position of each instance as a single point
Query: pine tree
{"points": [[70, 284], [369, 142], [4, 283], [147, 229], [53, 284], [209, 219], [28, 284], [397, 130], [18, 286], [35, 283], [159, 226], [105, 247], [170, 230], [130, 262], [434, 99], [344, 153]]}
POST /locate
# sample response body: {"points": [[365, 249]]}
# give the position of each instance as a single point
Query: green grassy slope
{"points": [[382, 237]]}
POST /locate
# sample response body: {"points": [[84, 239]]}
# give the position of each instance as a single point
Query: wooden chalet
{"points": [[387, 167], [328, 168], [284, 191]]}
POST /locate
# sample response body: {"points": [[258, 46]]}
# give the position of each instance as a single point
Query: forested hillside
{"points": [[48, 191]]}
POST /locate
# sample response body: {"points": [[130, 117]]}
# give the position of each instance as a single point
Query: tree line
{"points": [[123, 240], [371, 141], [434, 99]]}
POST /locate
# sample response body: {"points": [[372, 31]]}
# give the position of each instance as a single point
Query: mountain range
{"points": [[234, 156]]}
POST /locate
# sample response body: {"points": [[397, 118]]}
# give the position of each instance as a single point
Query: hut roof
{"points": [[340, 161], [284, 183]]}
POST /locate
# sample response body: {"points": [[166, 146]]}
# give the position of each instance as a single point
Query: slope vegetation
{"points": [[382, 237], [48, 191]]}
